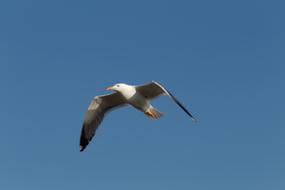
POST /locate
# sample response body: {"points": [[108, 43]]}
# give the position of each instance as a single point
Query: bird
{"points": [[137, 96]]}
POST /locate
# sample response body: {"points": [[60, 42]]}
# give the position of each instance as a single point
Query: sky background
{"points": [[223, 59]]}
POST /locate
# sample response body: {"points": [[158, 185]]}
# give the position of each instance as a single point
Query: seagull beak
{"points": [[109, 88]]}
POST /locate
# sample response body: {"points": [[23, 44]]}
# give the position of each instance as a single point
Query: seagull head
{"points": [[118, 87]]}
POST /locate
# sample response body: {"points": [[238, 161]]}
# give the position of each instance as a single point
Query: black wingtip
{"points": [[181, 106], [83, 144], [190, 115], [194, 119], [83, 140], [82, 148]]}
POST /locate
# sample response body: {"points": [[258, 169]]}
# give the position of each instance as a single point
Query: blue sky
{"points": [[223, 59]]}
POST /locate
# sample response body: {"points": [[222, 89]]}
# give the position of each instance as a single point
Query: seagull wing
{"points": [[154, 89], [95, 114]]}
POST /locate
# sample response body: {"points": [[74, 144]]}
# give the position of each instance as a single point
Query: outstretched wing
{"points": [[95, 114], [151, 90], [154, 89]]}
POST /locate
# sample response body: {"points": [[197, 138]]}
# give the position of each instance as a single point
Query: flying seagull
{"points": [[137, 96]]}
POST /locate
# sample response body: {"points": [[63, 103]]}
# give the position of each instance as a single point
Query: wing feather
{"points": [[154, 89], [99, 106], [151, 90]]}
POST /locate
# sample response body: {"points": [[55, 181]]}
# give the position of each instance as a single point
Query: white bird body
{"points": [[136, 96], [139, 102], [132, 97]]}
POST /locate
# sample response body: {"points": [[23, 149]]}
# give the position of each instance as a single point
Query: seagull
{"points": [[137, 96]]}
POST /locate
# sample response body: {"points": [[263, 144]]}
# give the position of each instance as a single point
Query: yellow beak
{"points": [[109, 88]]}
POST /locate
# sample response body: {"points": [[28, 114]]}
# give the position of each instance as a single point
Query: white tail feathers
{"points": [[153, 113]]}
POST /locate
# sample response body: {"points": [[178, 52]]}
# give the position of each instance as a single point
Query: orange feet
{"points": [[153, 113]]}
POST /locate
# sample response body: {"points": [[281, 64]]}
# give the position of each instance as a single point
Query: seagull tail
{"points": [[153, 113]]}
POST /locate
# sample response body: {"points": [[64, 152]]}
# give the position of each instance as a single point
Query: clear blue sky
{"points": [[223, 59]]}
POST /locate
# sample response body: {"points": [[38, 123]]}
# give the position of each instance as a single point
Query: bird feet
{"points": [[153, 113]]}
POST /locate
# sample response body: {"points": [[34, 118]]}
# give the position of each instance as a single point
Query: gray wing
{"points": [[95, 114], [154, 89], [151, 90]]}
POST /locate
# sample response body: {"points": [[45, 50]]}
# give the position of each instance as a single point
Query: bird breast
{"points": [[139, 102], [128, 93], [135, 99]]}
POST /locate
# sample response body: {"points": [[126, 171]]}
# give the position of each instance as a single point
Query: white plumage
{"points": [[136, 96]]}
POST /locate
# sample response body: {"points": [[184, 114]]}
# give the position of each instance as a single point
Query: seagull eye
{"points": [[118, 85]]}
